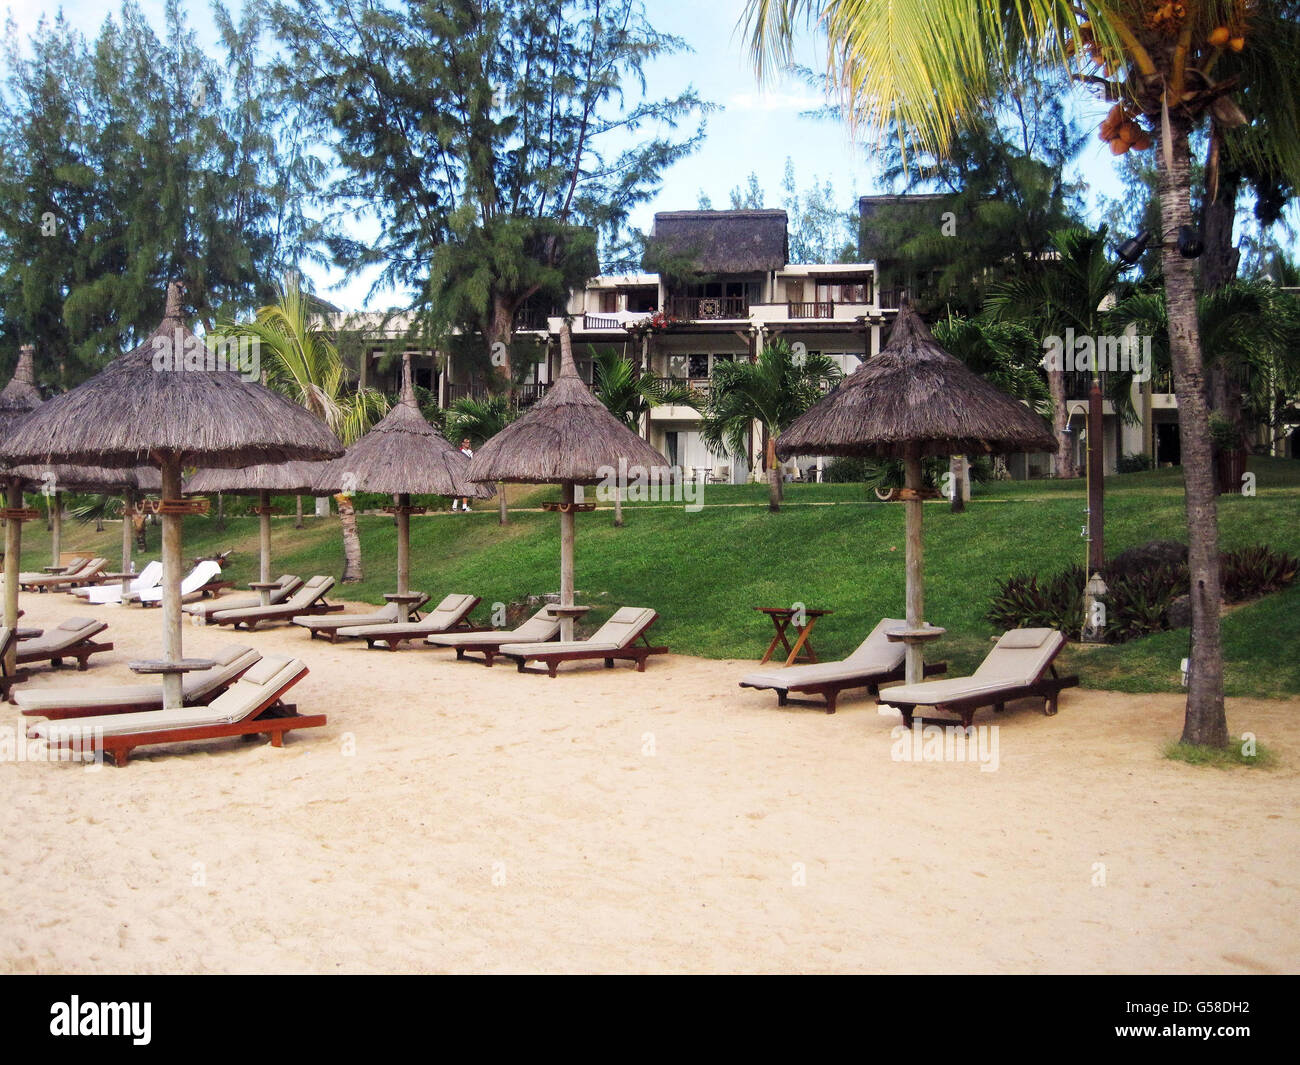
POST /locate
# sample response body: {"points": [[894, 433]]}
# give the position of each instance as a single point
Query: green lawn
{"points": [[704, 571]]}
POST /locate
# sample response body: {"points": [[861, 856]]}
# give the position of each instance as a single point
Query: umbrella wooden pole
{"points": [[173, 698], [566, 558], [914, 670], [13, 551], [128, 509], [56, 527], [403, 554], [264, 515]]}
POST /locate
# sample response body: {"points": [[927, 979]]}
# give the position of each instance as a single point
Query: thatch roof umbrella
{"points": [[18, 399], [55, 479], [566, 438], [402, 456], [170, 402], [292, 478], [911, 401]]}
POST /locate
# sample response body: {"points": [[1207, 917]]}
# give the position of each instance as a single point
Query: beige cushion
{"points": [[625, 625], [540, 627], [535, 649], [1003, 669], [1018, 638], [342, 621]]}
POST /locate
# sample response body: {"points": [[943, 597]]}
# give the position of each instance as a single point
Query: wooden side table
{"points": [[404, 601], [567, 616], [782, 617], [264, 590]]}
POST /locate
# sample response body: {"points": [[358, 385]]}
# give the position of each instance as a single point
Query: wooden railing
{"points": [[813, 309], [707, 308], [699, 385], [531, 319], [600, 321]]}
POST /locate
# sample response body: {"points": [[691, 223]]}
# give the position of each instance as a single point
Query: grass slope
{"points": [[829, 547]]}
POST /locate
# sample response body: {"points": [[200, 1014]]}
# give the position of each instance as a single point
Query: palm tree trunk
{"points": [[957, 471], [297, 519], [504, 519], [1060, 419], [618, 507], [773, 476], [351, 542], [1205, 722]]}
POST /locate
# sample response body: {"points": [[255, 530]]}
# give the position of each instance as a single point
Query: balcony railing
{"points": [[814, 309], [707, 308], [701, 386], [601, 321], [531, 319], [526, 395]]}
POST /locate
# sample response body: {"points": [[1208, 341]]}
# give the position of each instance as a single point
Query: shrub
{"points": [[1137, 604], [1250, 572], [1026, 602], [1133, 463], [846, 471]]}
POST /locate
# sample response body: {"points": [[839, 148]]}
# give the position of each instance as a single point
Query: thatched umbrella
{"points": [[18, 399], [171, 402], [55, 479], [911, 401], [566, 438], [291, 478], [403, 456]]}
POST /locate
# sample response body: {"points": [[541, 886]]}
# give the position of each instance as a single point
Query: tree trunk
{"points": [[618, 507], [351, 542], [957, 471], [500, 329], [297, 517], [773, 476], [504, 519], [1205, 722], [1060, 419]]}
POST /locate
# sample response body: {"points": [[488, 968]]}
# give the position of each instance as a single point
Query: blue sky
{"points": [[756, 129]]}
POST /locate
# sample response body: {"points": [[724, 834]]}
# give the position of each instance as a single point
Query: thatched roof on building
{"points": [[403, 454], [19, 397], [720, 242], [141, 404], [914, 393], [293, 478], [566, 436]]}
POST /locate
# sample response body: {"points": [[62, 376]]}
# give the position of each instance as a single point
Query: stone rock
{"points": [[1146, 557]]}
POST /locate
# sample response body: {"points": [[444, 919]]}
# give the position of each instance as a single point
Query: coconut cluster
{"points": [[1122, 132]]}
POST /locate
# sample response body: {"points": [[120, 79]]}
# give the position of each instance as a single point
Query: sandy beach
{"points": [[457, 818]]}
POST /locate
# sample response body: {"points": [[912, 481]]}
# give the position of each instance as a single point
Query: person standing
{"points": [[463, 502]]}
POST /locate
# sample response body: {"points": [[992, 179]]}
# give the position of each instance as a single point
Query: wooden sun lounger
{"points": [[615, 640], [251, 706], [309, 599], [288, 584], [450, 615], [199, 689], [328, 628], [876, 661], [7, 679], [72, 639], [1020, 666], [90, 573], [540, 628]]}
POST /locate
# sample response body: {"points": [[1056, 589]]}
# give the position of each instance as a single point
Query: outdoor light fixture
{"points": [[1190, 245]]}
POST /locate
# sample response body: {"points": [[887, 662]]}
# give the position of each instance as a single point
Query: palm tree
{"points": [[773, 391], [480, 420], [1067, 292], [926, 67], [300, 362], [629, 395], [1251, 333], [1007, 355]]}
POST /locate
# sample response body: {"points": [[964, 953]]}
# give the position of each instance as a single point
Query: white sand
{"points": [[489, 821]]}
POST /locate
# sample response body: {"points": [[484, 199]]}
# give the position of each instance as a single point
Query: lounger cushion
{"points": [[625, 625], [1024, 638], [236, 704], [342, 621], [558, 647], [71, 631], [287, 584], [540, 627], [451, 611], [1005, 668], [874, 656]]}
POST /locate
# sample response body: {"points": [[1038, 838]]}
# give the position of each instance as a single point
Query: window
{"points": [[608, 302], [698, 366], [718, 359]]}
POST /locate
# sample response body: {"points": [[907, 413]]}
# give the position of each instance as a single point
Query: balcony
{"points": [[814, 309], [701, 386], [708, 308]]}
